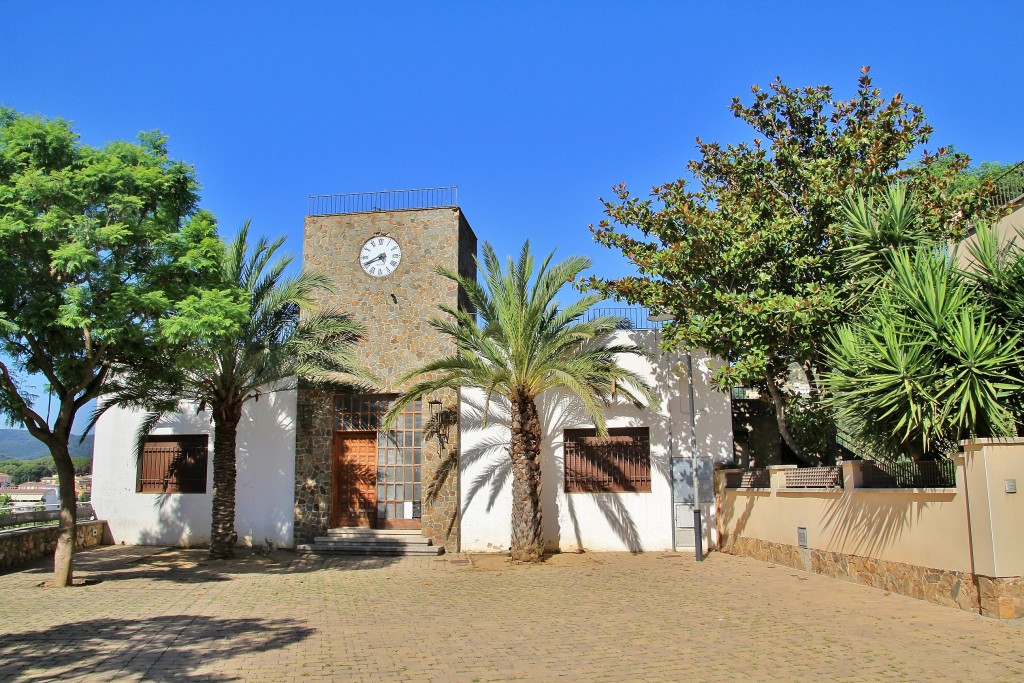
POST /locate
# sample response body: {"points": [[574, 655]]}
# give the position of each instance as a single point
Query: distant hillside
{"points": [[18, 444]]}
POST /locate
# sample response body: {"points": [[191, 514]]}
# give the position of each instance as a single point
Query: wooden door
{"points": [[354, 501]]}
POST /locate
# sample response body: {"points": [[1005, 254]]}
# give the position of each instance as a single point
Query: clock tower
{"points": [[382, 251]]}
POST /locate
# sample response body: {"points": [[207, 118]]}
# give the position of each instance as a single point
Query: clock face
{"points": [[380, 256]]}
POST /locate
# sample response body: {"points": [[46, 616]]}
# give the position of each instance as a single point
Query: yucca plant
{"points": [[285, 338], [925, 362], [875, 228], [524, 345]]}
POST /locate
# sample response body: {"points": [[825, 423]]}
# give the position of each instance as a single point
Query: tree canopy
{"points": [[285, 337], [101, 247], [747, 257]]}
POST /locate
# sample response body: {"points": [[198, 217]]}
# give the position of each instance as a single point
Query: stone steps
{"points": [[360, 541]]}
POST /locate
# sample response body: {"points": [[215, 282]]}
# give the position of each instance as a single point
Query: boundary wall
{"points": [[958, 546]]}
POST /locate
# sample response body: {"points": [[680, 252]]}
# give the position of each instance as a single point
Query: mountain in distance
{"points": [[18, 444]]}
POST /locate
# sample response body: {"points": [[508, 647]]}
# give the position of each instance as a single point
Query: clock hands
{"points": [[381, 257]]}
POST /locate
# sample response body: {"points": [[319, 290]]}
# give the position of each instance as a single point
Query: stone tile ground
{"points": [[170, 615]]}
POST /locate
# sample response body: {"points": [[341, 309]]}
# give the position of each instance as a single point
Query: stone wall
{"points": [[19, 546], [999, 598], [395, 311], [314, 432]]}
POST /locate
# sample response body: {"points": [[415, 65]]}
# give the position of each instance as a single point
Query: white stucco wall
{"points": [[265, 489], [608, 521]]}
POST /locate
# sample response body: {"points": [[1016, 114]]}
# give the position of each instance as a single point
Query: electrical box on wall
{"points": [[801, 536], [1010, 485]]}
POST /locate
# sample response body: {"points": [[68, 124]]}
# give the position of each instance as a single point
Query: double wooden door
{"points": [[374, 485]]}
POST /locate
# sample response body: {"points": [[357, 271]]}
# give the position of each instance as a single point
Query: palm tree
{"points": [[284, 338], [523, 346]]}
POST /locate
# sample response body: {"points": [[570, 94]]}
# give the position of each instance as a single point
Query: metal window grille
{"points": [[173, 464], [384, 200], [930, 474], [748, 479], [815, 478], [618, 463]]}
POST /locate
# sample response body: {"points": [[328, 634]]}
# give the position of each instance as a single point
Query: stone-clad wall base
{"points": [[1002, 598], [19, 546]]}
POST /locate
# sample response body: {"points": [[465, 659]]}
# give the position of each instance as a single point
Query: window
{"points": [[173, 464], [620, 462], [399, 451]]}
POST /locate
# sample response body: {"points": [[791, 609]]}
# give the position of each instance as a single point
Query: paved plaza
{"points": [[153, 614]]}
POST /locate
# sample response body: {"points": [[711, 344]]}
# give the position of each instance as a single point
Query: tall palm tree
{"points": [[523, 346], [284, 338]]}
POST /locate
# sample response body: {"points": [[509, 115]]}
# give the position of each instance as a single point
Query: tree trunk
{"points": [[816, 396], [64, 555], [780, 419], [527, 534], [222, 533]]}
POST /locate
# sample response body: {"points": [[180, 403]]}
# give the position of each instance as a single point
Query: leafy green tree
{"points": [[100, 248], [285, 338], [27, 470], [928, 360], [749, 262], [523, 346], [978, 178]]}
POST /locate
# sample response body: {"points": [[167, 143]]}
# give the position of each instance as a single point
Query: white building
{"points": [[139, 512], [309, 461], [29, 498]]}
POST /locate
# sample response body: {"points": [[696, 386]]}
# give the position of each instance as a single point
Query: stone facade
{"points": [[395, 311], [999, 598], [19, 546]]}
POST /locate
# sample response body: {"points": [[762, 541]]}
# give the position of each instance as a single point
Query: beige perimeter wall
{"points": [[960, 546]]}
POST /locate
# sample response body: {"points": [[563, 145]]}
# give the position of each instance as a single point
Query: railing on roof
{"points": [[1009, 185], [639, 317], [383, 200]]}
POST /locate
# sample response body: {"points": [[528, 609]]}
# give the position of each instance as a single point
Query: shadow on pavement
{"points": [[148, 649], [192, 565]]}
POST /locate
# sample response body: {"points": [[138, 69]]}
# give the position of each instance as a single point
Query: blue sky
{"points": [[533, 109]]}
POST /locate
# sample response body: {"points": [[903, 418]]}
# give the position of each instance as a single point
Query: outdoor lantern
{"points": [[440, 429]]}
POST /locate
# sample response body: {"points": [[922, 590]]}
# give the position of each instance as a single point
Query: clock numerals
{"points": [[380, 256]]}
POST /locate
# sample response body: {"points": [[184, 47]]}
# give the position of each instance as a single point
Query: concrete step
{"points": [[374, 540], [352, 548], [363, 532]]}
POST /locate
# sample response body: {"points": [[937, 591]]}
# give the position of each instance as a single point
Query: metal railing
{"points": [[748, 479], [1009, 185], [815, 478], [639, 317], [383, 200], [17, 514], [938, 474]]}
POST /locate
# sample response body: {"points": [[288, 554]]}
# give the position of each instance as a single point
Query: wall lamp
{"points": [[440, 429]]}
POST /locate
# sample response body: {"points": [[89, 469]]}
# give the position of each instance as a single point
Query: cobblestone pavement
{"points": [[157, 614]]}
